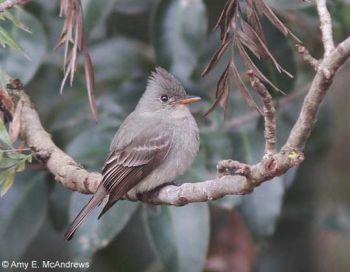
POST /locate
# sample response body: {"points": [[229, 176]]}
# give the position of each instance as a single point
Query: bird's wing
{"points": [[123, 169], [126, 167]]}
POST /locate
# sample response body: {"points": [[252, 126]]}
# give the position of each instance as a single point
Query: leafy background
{"points": [[298, 222]]}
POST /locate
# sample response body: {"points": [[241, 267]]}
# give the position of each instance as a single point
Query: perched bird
{"points": [[156, 143]]}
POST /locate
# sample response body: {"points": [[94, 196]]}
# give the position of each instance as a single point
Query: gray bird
{"points": [[156, 143]]}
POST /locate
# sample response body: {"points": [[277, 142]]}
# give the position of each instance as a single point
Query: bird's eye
{"points": [[164, 98]]}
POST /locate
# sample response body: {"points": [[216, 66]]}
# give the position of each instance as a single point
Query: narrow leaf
{"points": [[222, 89], [6, 38], [4, 136], [216, 58], [249, 63], [263, 7], [90, 82], [6, 164], [16, 21], [21, 166], [243, 88], [7, 183], [252, 40]]}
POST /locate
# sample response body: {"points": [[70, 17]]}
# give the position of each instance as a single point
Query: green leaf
{"points": [[7, 163], [179, 235], [59, 207], [261, 208], [27, 211], [9, 177], [158, 226], [95, 234], [8, 15], [132, 6], [16, 155], [95, 13], [110, 66], [34, 44], [6, 39], [179, 32], [21, 166], [29, 158], [4, 136], [91, 146]]}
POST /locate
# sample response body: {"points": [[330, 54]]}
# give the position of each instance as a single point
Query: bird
{"points": [[156, 143]]}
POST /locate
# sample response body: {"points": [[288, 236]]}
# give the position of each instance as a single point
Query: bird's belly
{"points": [[179, 159]]}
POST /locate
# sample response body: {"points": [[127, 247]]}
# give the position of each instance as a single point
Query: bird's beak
{"points": [[189, 100]]}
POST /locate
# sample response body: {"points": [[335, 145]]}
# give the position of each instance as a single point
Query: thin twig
{"points": [[320, 84], [325, 26], [307, 57], [269, 114]]}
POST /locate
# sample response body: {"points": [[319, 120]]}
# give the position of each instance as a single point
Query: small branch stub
{"points": [[269, 114]]}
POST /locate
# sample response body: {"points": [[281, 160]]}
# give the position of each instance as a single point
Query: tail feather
{"points": [[93, 202]]}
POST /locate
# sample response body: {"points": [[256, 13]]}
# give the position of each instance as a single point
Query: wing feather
{"points": [[126, 167]]}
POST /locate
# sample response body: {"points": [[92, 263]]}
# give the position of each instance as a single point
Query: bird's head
{"points": [[164, 93]]}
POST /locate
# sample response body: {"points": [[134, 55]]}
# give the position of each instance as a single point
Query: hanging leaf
{"points": [[179, 236], [34, 45], [6, 180], [5, 141], [179, 31], [95, 234], [25, 215]]}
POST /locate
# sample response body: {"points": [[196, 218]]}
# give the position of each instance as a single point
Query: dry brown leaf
{"points": [[222, 89], [264, 8], [251, 66], [217, 56], [244, 34], [90, 82], [243, 88], [73, 40]]}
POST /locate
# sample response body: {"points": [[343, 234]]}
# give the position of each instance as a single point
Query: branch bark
{"points": [[269, 114], [326, 26], [66, 171]]}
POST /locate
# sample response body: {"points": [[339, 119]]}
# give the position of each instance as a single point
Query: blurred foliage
{"points": [[127, 39], [11, 161]]}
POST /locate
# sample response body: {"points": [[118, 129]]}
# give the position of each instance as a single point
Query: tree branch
{"points": [[326, 26], [320, 84], [269, 114], [307, 56], [74, 177], [66, 171]]}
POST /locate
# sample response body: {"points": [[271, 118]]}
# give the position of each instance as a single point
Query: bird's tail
{"points": [[93, 202]]}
